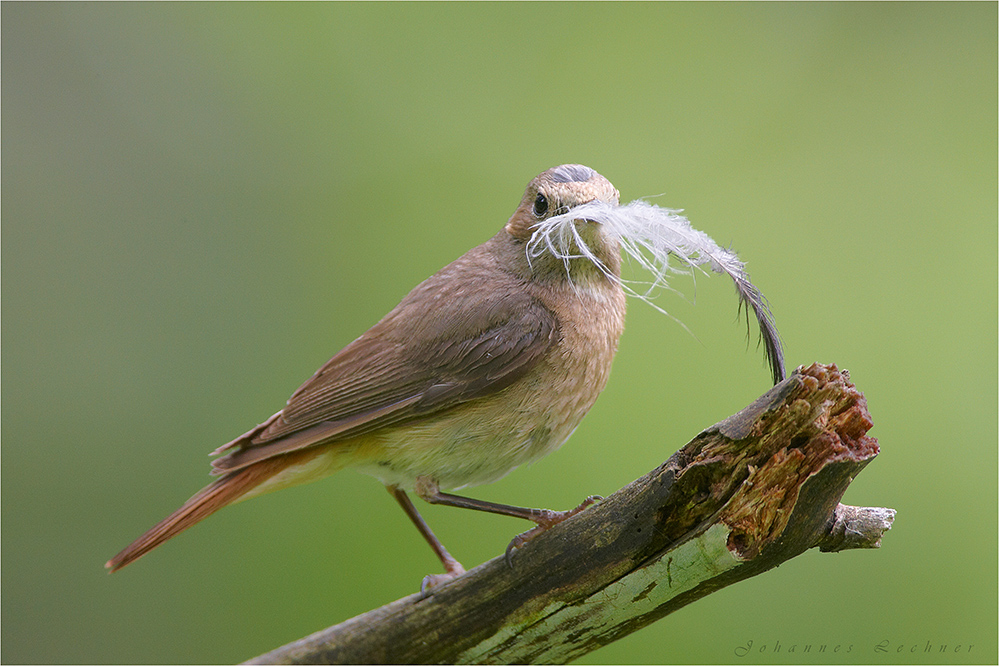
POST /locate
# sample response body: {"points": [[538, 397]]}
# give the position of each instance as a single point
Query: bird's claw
{"points": [[434, 580], [545, 522], [519, 541]]}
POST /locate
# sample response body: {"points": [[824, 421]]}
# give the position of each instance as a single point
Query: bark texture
{"points": [[743, 496]]}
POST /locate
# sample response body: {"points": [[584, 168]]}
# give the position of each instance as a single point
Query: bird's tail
{"points": [[242, 484]]}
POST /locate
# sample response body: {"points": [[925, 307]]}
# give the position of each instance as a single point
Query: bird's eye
{"points": [[540, 206]]}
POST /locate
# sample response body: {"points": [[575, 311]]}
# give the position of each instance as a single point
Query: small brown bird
{"points": [[488, 364]]}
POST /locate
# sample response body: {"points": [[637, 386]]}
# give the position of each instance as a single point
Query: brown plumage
{"points": [[488, 364]]}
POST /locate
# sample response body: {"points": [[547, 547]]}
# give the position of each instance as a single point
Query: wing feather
{"points": [[394, 373]]}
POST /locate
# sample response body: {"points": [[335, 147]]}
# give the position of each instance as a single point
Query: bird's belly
{"points": [[462, 456], [477, 443]]}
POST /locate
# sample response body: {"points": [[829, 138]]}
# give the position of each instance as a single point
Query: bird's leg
{"points": [[452, 567], [429, 491]]}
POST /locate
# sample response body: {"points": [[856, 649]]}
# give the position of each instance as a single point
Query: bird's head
{"points": [[554, 194]]}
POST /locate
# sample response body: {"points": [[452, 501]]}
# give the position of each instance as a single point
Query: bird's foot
{"points": [[545, 520], [453, 569]]}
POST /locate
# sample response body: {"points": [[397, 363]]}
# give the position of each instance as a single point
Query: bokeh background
{"points": [[203, 202]]}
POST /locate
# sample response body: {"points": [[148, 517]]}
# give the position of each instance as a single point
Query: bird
{"points": [[489, 364]]}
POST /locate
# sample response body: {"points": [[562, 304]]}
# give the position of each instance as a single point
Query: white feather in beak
{"points": [[651, 235]]}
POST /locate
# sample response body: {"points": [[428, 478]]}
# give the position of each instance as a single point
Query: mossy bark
{"points": [[745, 495]]}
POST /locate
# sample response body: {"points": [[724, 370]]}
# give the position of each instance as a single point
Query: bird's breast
{"points": [[484, 439]]}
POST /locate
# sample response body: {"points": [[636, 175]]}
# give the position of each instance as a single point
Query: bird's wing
{"points": [[396, 373]]}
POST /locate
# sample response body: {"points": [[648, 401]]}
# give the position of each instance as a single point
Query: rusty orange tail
{"points": [[224, 491]]}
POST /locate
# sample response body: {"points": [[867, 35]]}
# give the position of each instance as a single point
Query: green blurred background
{"points": [[203, 202]]}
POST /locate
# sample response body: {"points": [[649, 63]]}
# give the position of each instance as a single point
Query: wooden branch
{"points": [[745, 495]]}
